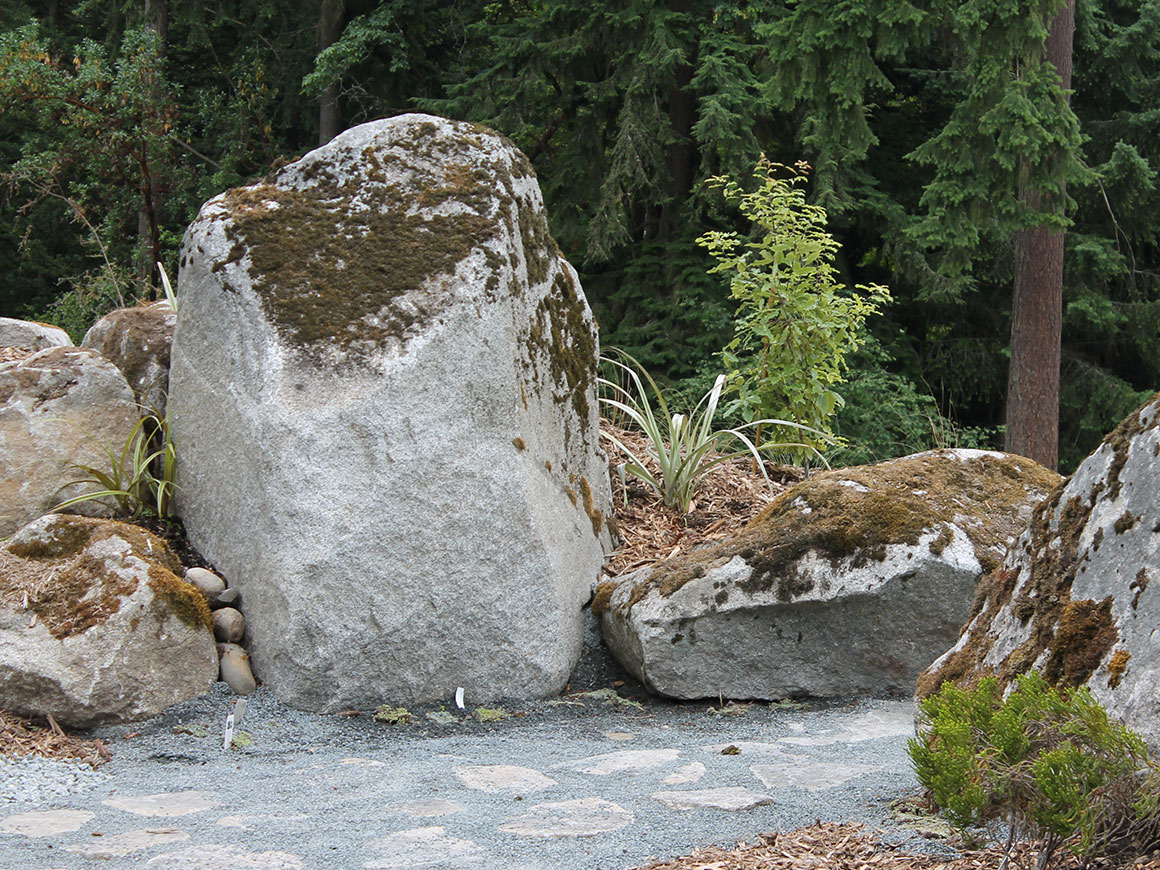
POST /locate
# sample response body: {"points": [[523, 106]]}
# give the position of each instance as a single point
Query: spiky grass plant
{"points": [[686, 446], [140, 477]]}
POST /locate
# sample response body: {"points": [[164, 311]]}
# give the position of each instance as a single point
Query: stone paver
{"points": [[120, 845], [423, 847], [813, 776], [622, 762], [731, 799], [179, 804], [503, 778], [218, 857], [46, 824], [585, 817]]}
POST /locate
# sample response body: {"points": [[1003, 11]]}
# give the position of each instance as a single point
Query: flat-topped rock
{"points": [[849, 583]]}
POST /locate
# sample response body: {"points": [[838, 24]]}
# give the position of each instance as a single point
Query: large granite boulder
{"points": [[59, 408], [1073, 599], [30, 335], [383, 392], [137, 341], [850, 582], [95, 626]]}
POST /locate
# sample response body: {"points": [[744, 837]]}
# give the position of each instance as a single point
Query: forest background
{"points": [[938, 132]]}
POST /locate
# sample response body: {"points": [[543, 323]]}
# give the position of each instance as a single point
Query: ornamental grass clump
{"points": [[1048, 762], [685, 446], [141, 477]]}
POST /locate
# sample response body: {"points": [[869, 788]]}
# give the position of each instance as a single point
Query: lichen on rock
{"points": [[855, 513], [1072, 599]]}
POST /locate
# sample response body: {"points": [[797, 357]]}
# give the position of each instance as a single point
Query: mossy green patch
{"points": [[342, 255], [182, 599], [393, 715], [64, 536], [67, 587], [1069, 637], [491, 714], [562, 333], [856, 513]]}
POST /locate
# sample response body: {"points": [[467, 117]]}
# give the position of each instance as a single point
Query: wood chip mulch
{"points": [[728, 497], [22, 737], [855, 847]]}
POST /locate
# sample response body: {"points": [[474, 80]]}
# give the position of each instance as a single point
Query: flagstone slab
{"points": [[176, 804], [120, 845], [427, 809], [732, 799], [585, 817], [423, 847], [812, 776], [48, 823], [502, 778], [685, 775], [622, 762], [219, 857]]}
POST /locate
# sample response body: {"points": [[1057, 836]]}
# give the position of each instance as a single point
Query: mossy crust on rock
{"points": [[348, 264], [1070, 637], [70, 590], [858, 512], [560, 333]]}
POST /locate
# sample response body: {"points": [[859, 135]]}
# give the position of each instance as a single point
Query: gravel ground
{"points": [[577, 783]]}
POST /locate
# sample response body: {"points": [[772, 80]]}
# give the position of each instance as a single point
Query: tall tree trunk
{"points": [[682, 156], [1037, 304], [330, 18], [153, 199]]}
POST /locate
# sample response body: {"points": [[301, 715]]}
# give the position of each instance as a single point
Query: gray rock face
{"points": [[1074, 598], [31, 335], [60, 407], [383, 391], [848, 583], [94, 625], [138, 341]]}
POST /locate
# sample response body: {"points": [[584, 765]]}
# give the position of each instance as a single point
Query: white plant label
{"points": [[459, 697]]}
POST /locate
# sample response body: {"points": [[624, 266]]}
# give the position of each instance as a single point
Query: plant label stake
{"points": [[459, 697], [233, 720]]}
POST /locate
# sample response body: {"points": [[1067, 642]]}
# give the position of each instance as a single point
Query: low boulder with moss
{"points": [[849, 583], [1073, 599], [383, 393], [96, 626]]}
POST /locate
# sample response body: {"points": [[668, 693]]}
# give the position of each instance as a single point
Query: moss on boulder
{"points": [[1072, 598], [848, 582]]}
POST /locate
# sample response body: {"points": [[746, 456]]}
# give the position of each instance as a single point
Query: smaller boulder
{"points": [[95, 626], [229, 626], [59, 408], [210, 584], [849, 583], [235, 668], [30, 335], [137, 341]]}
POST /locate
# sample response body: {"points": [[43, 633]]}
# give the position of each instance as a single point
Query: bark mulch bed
{"points": [[728, 497], [829, 846], [23, 737]]}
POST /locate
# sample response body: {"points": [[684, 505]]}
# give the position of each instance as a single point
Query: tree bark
{"points": [[330, 19], [1037, 303]]}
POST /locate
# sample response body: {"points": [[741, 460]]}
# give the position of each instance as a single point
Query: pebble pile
{"points": [[229, 628]]}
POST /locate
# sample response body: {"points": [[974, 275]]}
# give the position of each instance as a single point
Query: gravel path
{"points": [[575, 784]]}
